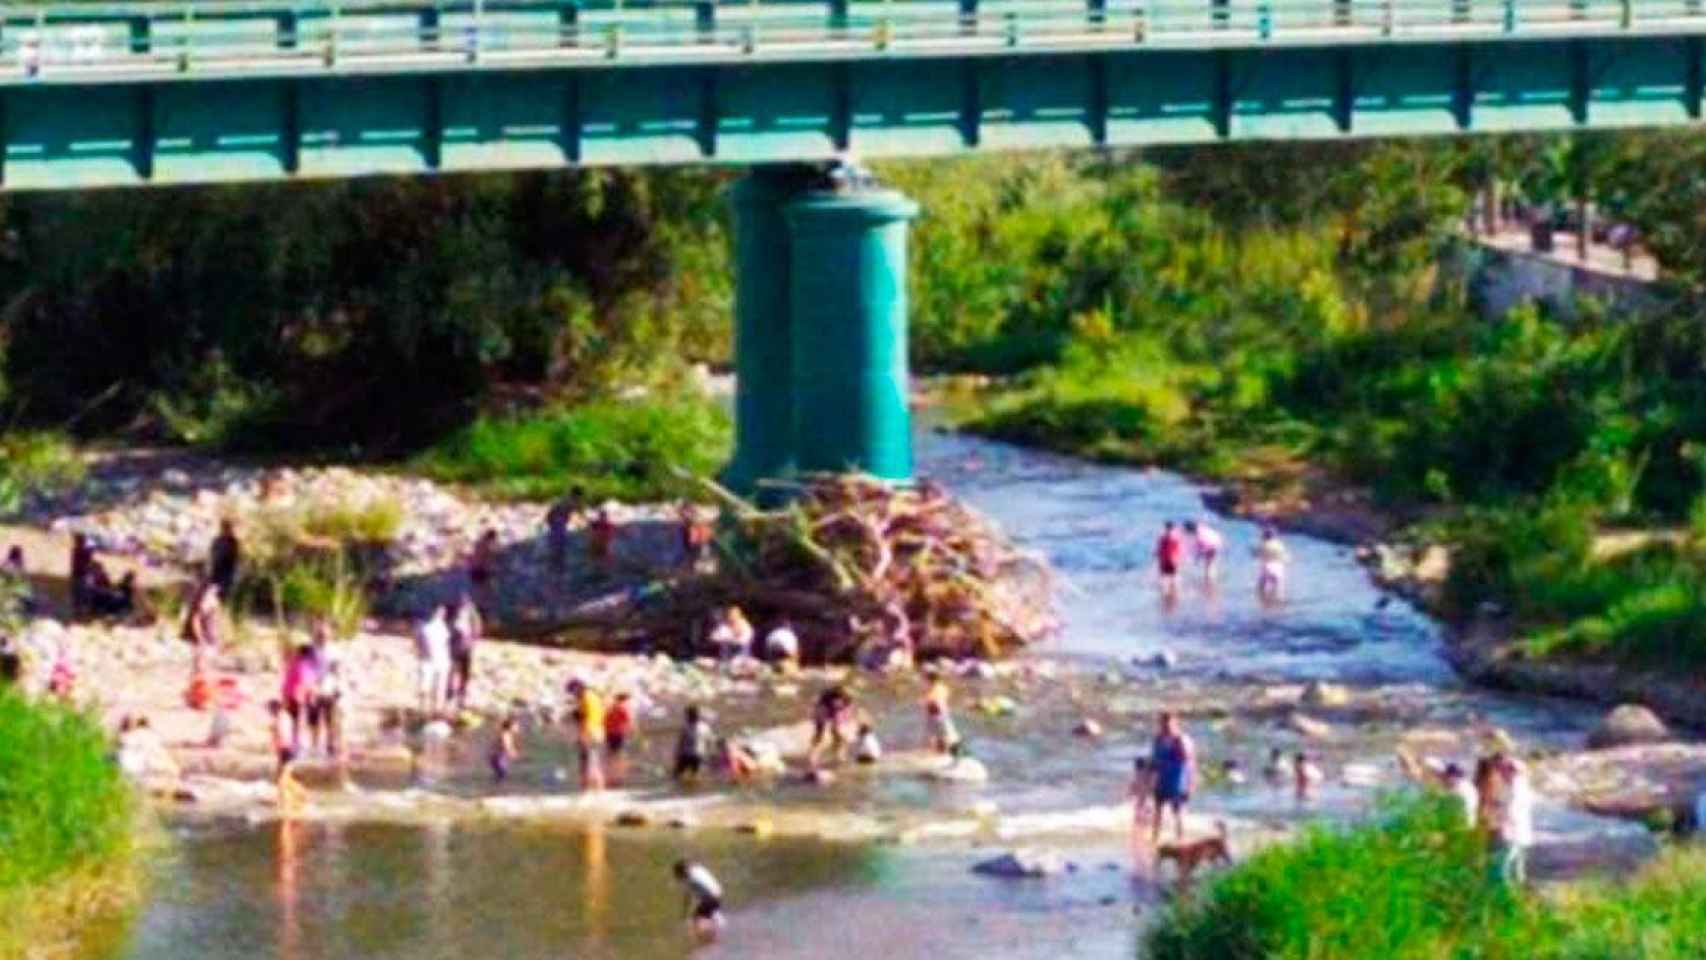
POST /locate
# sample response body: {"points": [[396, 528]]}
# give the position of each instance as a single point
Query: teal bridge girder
{"points": [[104, 95]]}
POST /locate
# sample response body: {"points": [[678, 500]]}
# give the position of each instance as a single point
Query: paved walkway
{"points": [[1602, 258]]}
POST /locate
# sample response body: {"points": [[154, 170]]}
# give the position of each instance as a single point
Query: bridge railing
{"points": [[149, 39]]}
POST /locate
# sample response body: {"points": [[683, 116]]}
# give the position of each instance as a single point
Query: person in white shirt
{"points": [[732, 636], [704, 897], [1513, 828], [1206, 543], [432, 651], [1457, 783], [782, 644]]}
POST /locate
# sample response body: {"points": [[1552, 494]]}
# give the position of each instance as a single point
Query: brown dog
{"points": [[1188, 855]]}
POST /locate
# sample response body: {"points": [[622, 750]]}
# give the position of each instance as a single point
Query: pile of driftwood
{"points": [[862, 569]]}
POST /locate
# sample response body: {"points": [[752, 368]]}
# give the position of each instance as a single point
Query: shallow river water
{"points": [[236, 892]]}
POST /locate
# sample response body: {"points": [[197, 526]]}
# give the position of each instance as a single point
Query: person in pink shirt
{"points": [[301, 682], [1207, 542]]}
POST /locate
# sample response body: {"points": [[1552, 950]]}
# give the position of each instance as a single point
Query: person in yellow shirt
{"points": [[589, 721]]}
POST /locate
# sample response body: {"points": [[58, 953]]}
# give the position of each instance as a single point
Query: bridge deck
{"points": [[94, 95]]}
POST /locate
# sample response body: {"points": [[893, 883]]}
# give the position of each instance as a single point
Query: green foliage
{"points": [[63, 804], [377, 313], [621, 449], [313, 562], [32, 460], [1415, 883]]}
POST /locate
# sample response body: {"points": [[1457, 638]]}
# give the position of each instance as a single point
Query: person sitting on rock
{"points": [[732, 636], [782, 645]]}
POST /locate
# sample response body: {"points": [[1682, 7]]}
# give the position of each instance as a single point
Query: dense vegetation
{"points": [[1415, 883], [1234, 311], [607, 448], [375, 313], [67, 824], [1329, 320]]}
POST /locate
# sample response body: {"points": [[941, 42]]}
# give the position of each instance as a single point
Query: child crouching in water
{"points": [[505, 749], [704, 898]]}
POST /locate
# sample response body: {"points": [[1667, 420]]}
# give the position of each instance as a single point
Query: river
{"points": [[229, 891]]}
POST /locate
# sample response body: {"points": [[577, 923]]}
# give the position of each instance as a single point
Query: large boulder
{"points": [[1626, 725]]}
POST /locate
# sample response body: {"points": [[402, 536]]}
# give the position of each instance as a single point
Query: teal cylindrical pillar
{"points": [[847, 295], [764, 402]]}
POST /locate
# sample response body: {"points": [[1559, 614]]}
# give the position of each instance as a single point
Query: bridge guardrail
{"points": [[150, 40]]}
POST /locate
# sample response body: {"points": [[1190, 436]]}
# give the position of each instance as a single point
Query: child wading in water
{"points": [[291, 796], [618, 728], [944, 737], [695, 747], [704, 898], [1142, 793], [505, 749]]}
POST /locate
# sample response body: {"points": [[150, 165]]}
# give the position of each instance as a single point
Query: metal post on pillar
{"points": [[847, 299], [764, 357]]}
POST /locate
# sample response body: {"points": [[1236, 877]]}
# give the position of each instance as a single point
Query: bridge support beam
{"points": [[847, 289], [820, 329], [764, 355]]}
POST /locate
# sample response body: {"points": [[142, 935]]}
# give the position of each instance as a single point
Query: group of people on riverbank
{"points": [[1196, 542], [1497, 800]]}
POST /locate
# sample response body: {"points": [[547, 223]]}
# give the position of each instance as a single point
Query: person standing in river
{"points": [[1173, 760], [465, 629], [1169, 555], [224, 556], [1511, 826], [1206, 544], [1273, 559]]}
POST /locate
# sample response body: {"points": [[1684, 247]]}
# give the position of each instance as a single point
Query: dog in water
{"points": [[1188, 855]]}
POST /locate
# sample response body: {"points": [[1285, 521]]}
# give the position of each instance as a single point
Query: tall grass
{"points": [[67, 821], [314, 562], [1414, 883], [621, 449]]}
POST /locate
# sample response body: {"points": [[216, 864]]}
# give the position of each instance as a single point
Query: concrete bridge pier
{"points": [[820, 327]]}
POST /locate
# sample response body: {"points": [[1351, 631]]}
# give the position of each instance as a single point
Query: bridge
{"points": [[96, 95]]}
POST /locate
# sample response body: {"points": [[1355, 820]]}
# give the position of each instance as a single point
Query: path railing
{"points": [[93, 41]]}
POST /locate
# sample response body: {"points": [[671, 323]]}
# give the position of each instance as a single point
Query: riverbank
{"points": [[1418, 881]]}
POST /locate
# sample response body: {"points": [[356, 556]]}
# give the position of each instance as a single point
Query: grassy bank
{"points": [[612, 449], [1415, 884], [68, 827]]}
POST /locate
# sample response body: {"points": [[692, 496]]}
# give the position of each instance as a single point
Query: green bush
{"points": [[34, 460], [621, 449], [1415, 883], [66, 815]]}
